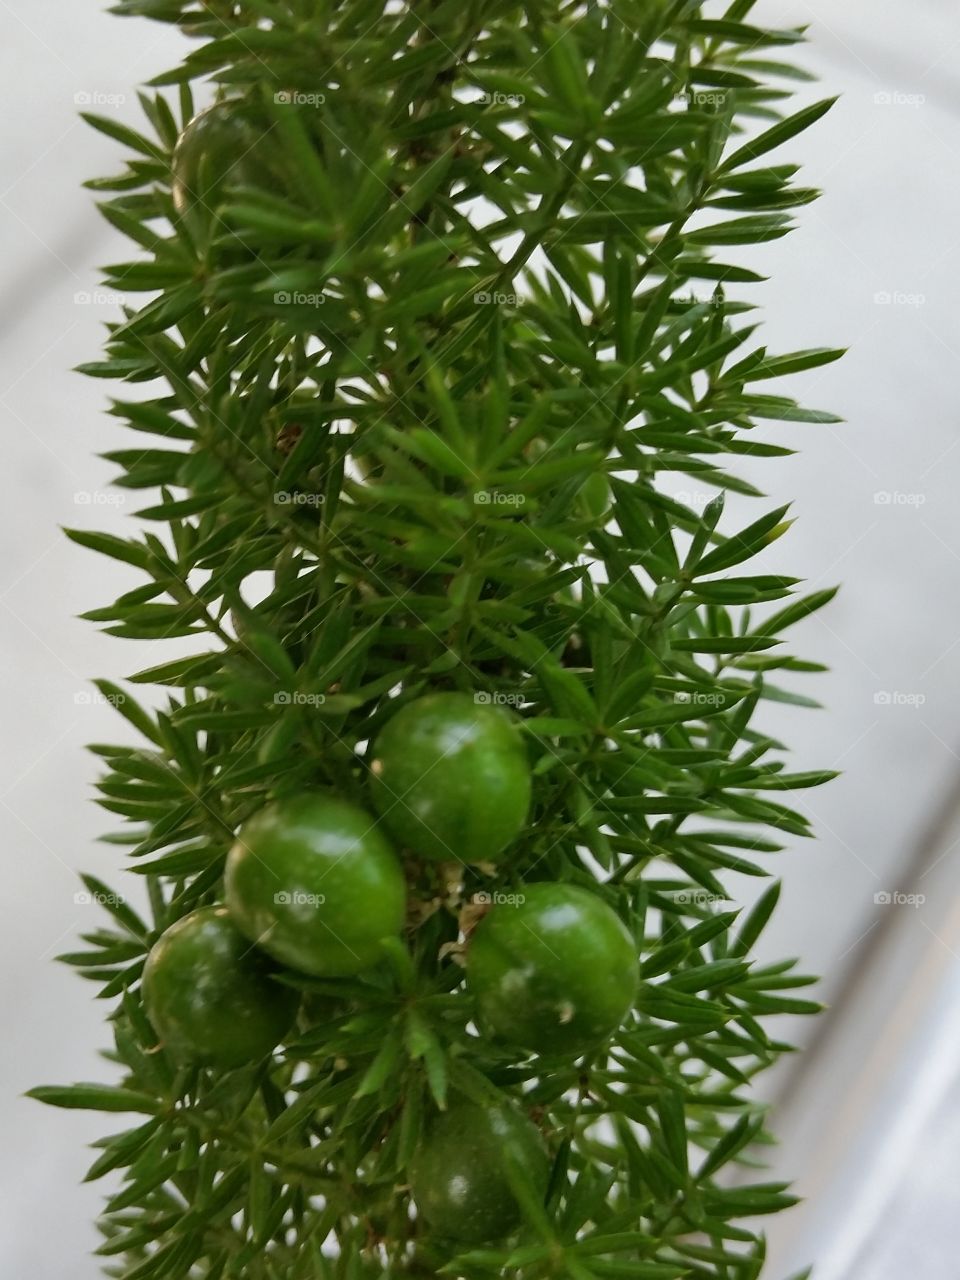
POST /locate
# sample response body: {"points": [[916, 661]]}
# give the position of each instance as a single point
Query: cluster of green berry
{"points": [[313, 884]]}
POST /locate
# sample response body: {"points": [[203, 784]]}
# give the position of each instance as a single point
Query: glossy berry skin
{"points": [[556, 974], [450, 778], [313, 881], [223, 146], [210, 996], [458, 1176]]}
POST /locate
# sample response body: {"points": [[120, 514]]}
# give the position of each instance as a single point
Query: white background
{"points": [[889, 166]]}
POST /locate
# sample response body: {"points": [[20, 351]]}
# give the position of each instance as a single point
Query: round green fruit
{"points": [[313, 882], [210, 995], [450, 778], [223, 146], [459, 1178], [556, 973]]}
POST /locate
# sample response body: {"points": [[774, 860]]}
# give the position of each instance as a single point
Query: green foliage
{"points": [[421, 387]]}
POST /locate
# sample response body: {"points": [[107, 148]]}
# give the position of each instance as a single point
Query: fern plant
{"points": [[435, 310]]}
